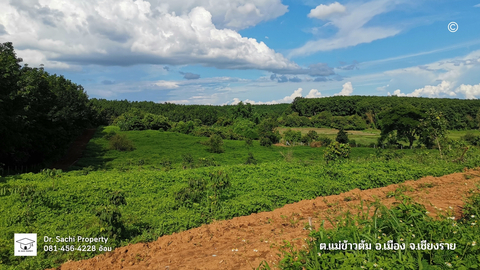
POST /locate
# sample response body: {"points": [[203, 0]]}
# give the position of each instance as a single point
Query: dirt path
{"points": [[75, 151], [256, 237]]}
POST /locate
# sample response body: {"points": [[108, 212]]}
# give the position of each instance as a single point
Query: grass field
{"points": [[154, 147], [88, 201], [369, 136]]}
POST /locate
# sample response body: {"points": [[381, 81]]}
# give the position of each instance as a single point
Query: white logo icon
{"points": [[25, 244], [453, 27]]}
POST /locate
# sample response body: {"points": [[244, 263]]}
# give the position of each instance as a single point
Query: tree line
{"points": [[460, 114], [40, 113]]}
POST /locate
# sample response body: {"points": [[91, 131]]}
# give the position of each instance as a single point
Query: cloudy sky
{"points": [[258, 51]]}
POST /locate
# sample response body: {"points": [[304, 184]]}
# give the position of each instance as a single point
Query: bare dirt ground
{"points": [[244, 242], [75, 151]]}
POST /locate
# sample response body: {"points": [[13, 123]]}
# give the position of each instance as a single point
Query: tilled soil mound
{"points": [[244, 242]]}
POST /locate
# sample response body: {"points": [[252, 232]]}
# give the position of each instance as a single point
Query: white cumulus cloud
{"points": [[324, 11], [470, 91], [347, 90], [127, 32], [314, 93], [445, 88]]}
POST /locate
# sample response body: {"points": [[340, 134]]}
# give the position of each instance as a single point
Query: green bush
{"points": [[121, 143], [184, 128], [472, 139], [215, 144], [267, 132], [109, 135], [245, 128], [156, 122], [336, 151], [265, 141], [131, 120], [311, 136], [292, 136], [342, 136], [325, 140], [188, 161], [166, 164], [207, 162], [248, 142], [250, 159]]}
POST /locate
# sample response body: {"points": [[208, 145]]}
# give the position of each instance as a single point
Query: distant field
{"points": [[366, 137], [154, 147]]}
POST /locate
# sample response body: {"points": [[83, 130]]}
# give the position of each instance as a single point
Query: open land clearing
{"points": [[258, 236]]}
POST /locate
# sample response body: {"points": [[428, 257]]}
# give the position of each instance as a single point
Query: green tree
{"points": [[292, 136], [311, 136], [433, 129], [215, 144], [268, 133], [404, 120], [342, 136]]}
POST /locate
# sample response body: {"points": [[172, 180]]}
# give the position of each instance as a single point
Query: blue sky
{"points": [[258, 51]]}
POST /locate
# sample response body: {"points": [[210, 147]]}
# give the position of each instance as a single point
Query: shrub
{"points": [[109, 135], [248, 142], [264, 141], [184, 128], [268, 133], [250, 159], [131, 120], [245, 128], [193, 193], [188, 161], [472, 139], [121, 143], [156, 122], [325, 140], [166, 163], [311, 136], [342, 136], [336, 151], [292, 136], [206, 162], [215, 144]]}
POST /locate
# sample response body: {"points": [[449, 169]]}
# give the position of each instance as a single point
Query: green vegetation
{"points": [[404, 237], [39, 113], [342, 136], [120, 142], [171, 183], [460, 114], [336, 151]]}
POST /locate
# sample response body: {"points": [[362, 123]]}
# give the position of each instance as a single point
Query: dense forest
{"points": [[461, 114], [40, 113], [48, 111]]}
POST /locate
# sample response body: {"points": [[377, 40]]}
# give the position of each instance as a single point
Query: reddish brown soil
{"points": [[75, 151], [258, 236], [281, 145]]}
